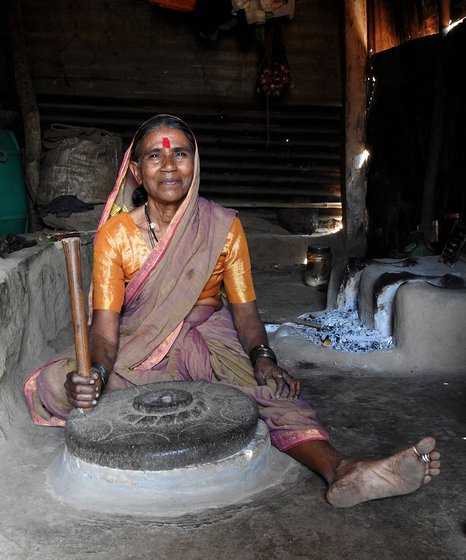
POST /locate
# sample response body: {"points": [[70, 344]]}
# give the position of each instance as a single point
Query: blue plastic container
{"points": [[13, 201]]}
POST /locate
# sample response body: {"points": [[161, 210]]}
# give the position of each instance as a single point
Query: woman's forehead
{"points": [[165, 137]]}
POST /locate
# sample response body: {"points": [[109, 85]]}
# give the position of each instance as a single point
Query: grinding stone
{"points": [[162, 426], [258, 471]]}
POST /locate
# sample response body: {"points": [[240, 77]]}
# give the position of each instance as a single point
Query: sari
{"points": [[165, 336]]}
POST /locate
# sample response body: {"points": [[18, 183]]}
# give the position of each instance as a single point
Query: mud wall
{"points": [[35, 316]]}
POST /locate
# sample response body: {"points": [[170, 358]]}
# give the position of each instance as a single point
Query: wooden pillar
{"points": [[355, 76], [29, 111], [437, 126]]}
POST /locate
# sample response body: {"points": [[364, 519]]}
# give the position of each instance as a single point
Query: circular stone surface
{"points": [[163, 426]]}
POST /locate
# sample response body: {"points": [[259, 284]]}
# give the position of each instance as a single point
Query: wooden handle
{"points": [[72, 249]]}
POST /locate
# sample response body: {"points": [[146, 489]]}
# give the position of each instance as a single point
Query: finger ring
{"points": [[424, 456], [280, 375]]}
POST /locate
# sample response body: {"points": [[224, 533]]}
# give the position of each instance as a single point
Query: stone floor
{"points": [[366, 414]]}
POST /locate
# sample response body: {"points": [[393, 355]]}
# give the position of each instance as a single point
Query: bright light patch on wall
{"points": [[361, 159], [452, 25]]}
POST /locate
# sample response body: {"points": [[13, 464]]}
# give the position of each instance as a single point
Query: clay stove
{"points": [[398, 316]]}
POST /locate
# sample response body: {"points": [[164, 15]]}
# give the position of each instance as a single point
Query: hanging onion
{"points": [[274, 76]]}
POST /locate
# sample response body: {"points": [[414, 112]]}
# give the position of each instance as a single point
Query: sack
{"points": [[80, 162]]}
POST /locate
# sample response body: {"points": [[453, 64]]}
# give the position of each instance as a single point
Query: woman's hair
{"points": [[154, 123]]}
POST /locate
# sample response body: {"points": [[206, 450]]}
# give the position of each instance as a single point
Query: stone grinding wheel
{"points": [[161, 426]]}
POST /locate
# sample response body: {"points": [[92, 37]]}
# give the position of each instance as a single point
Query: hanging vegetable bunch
{"points": [[274, 76]]}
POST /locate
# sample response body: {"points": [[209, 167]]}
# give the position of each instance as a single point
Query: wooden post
{"points": [[29, 111], [436, 128], [72, 249], [355, 76]]}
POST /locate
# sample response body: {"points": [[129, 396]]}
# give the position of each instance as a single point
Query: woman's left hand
{"points": [[267, 369]]}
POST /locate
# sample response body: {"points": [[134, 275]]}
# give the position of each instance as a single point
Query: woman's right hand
{"points": [[83, 392]]}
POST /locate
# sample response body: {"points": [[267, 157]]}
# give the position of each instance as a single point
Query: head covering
{"points": [[121, 196]]}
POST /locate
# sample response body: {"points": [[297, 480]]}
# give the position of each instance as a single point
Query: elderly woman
{"points": [[162, 255]]}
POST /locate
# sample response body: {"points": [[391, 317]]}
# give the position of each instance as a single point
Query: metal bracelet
{"points": [[103, 373], [259, 355], [262, 351]]}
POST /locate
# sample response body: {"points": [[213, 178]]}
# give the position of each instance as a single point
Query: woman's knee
{"points": [[51, 390]]}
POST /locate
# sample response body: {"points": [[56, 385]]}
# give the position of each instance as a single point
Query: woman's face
{"points": [[166, 165]]}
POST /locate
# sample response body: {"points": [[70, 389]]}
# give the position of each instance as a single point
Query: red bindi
{"points": [[166, 142]]}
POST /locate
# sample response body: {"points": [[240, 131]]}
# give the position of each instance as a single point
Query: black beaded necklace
{"points": [[152, 237]]}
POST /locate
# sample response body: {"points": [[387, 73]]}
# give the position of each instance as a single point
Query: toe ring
{"points": [[424, 456]]}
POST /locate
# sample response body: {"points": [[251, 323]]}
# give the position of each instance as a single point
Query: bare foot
{"points": [[403, 473]]}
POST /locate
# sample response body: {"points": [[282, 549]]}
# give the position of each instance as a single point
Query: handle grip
{"points": [[72, 249]]}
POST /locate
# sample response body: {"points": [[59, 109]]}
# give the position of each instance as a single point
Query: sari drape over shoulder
{"points": [[165, 336]]}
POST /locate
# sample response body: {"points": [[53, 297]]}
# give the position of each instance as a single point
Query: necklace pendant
{"points": [[151, 226]]}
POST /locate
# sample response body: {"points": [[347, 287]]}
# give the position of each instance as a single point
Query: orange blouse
{"points": [[120, 250]]}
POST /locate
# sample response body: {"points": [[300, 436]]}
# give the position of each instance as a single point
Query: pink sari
{"points": [[165, 336]]}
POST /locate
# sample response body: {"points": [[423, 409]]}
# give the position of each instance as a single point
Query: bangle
{"points": [[103, 373], [262, 351]]}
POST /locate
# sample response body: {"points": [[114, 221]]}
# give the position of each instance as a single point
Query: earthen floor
{"points": [[366, 413]]}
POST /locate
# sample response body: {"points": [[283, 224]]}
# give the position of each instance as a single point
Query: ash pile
{"points": [[341, 329]]}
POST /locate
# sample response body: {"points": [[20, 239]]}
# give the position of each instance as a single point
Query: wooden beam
{"points": [[269, 204], [354, 184]]}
